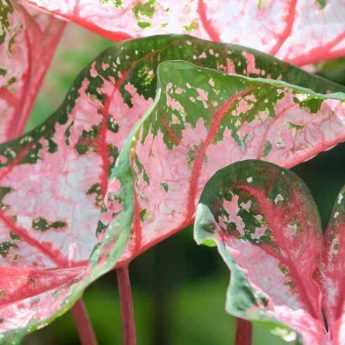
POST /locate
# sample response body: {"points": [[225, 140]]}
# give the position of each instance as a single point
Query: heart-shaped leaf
{"points": [[301, 32], [267, 229], [28, 39], [204, 120], [53, 182], [57, 199]]}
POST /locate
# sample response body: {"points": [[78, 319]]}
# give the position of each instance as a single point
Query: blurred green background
{"points": [[179, 288]]}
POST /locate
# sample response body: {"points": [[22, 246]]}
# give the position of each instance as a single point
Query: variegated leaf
{"points": [[202, 121], [301, 32], [266, 227], [28, 39], [54, 234]]}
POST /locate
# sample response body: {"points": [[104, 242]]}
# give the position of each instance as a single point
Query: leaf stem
{"points": [[126, 304], [243, 332], [81, 318]]}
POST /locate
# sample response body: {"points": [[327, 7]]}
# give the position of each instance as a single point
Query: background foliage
{"points": [[179, 288]]}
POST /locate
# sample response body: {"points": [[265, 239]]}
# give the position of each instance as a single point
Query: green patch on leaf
{"points": [[96, 189], [295, 126], [267, 148], [165, 186], [321, 3], [5, 247], [143, 214], [141, 169], [82, 149], [43, 225], [6, 10], [113, 126], [144, 11], [116, 3], [192, 26], [101, 227], [312, 103], [3, 192]]}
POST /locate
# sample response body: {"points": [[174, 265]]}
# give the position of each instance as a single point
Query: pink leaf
{"points": [[301, 32], [267, 228], [52, 217], [265, 225], [27, 46], [205, 120]]}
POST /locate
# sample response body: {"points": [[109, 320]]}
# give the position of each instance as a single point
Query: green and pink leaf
{"points": [[266, 227], [204, 120]]}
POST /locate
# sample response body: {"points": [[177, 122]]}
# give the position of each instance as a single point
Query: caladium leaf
{"points": [[267, 229], [301, 32], [333, 272], [203, 120], [52, 217], [56, 196], [28, 39]]}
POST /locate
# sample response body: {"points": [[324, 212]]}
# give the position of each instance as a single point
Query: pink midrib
{"points": [[272, 217], [320, 53], [206, 22], [101, 142], [8, 96], [33, 79], [289, 21], [26, 291], [45, 248], [201, 153], [193, 184]]}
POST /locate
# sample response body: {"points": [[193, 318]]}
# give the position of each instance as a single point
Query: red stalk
{"points": [[243, 332], [86, 333], [126, 305]]}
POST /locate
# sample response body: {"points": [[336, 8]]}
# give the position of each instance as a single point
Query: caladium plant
{"points": [[61, 187], [266, 226], [71, 209], [301, 32]]}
